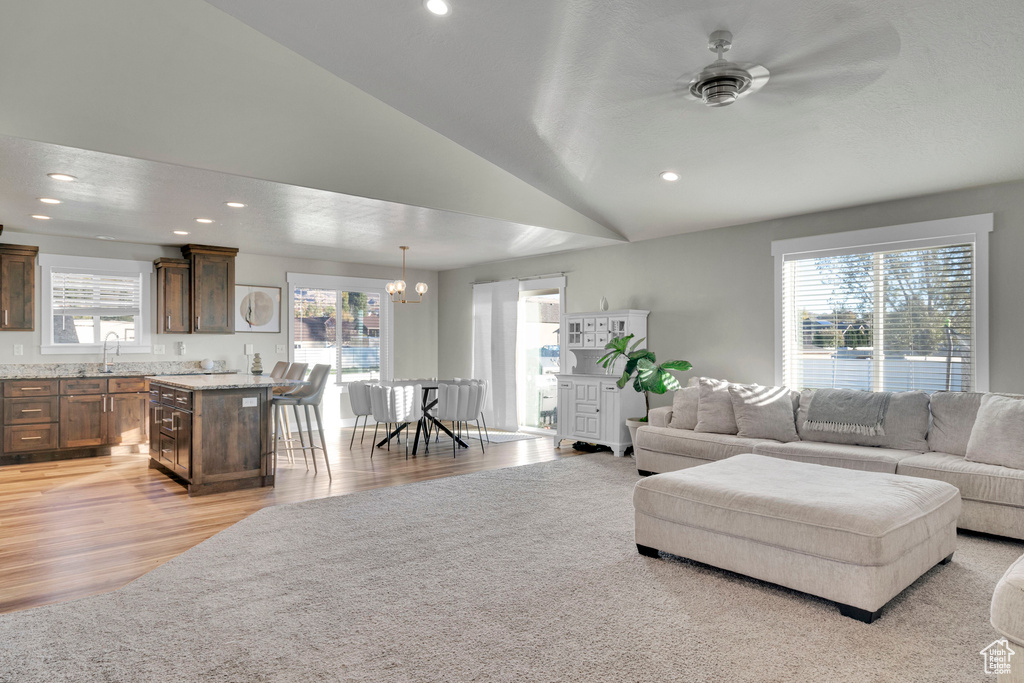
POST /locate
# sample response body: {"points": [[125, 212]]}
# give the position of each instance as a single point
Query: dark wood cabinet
{"points": [[212, 274], [173, 301], [126, 418], [83, 420], [17, 287]]}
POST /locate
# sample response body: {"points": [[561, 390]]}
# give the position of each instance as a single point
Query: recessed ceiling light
{"points": [[204, 220], [62, 176], [438, 7], [235, 205], [40, 217], [104, 237], [670, 176], [181, 232], [48, 200]]}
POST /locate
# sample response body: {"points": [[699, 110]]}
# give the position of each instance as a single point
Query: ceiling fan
{"points": [[723, 82]]}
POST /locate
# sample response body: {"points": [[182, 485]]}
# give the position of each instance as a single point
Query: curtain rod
{"points": [[521, 279]]}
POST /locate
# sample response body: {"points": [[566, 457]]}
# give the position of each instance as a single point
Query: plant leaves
{"points": [[677, 365]]}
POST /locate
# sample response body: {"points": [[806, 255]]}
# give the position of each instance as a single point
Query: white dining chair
{"points": [[359, 398], [400, 405], [459, 404]]}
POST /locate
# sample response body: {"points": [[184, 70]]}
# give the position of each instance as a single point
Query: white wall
{"points": [[711, 293], [415, 326]]}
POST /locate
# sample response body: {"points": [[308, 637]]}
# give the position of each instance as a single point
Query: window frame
{"points": [[86, 264], [347, 283], [923, 234]]}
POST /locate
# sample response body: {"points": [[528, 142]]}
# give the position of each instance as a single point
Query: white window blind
{"points": [[102, 294], [891, 318]]}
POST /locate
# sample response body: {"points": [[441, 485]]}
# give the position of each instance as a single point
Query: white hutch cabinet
{"points": [[591, 407]]}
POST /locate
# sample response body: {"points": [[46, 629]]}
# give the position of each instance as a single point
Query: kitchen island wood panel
{"points": [[214, 431]]}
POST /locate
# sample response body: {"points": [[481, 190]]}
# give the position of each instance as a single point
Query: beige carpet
{"points": [[521, 574]]}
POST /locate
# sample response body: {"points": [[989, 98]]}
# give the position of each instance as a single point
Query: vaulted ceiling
{"points": [[546, 122]]}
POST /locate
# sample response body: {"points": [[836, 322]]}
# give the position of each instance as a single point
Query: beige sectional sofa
{"points": [[931, 435]]}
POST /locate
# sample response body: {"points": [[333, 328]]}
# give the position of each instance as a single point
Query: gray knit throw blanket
{"points": [[845, 411]]}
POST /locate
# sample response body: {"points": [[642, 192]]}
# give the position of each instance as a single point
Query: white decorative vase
{"points": [[604, 304], [206, 364]]}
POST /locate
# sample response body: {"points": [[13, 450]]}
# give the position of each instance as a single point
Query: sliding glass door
{"points": [[538, 358]]}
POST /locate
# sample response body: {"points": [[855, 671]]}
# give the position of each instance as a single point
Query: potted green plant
{"points": [[647, 374]]}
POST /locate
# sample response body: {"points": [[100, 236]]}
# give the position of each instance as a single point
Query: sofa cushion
{"points": [[1007, 612], [867, 458], [684, 407], [976, 480], [694, 444], [763, 412], [997, 437], [714, 409], [953, 414], [867, 519], [905, 424]]}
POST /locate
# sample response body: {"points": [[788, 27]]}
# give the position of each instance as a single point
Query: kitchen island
{"points": [[213, 432]]}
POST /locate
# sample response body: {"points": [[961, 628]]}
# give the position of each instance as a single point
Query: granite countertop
{"points": [[116, 373], [211, 382]]}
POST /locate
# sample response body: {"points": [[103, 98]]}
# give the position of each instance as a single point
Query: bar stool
{"points": [[292, 371], [306, 396]]}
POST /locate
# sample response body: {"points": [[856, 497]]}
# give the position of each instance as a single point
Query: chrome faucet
{"points": [[109, 367]]}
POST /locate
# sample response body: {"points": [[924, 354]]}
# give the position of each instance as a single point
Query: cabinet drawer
{"points": [[83, 386], [19, 438], [18, 411], [126, 385], [166, 395], [183, 399], [166, 452], [30, 387]]}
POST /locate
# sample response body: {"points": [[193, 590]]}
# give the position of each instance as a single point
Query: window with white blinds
{"points": [[87, 301], [896, 315]]}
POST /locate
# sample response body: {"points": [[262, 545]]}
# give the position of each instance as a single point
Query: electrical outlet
{"points": [[248, 349], [280, 348], [181, 348], [19, 349], [250, 402], [159, 349]]}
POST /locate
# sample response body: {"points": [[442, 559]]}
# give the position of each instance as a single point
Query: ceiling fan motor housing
{"points": [[723, 82]]}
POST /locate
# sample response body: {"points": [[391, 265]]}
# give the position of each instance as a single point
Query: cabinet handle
{"points": [[32, 388], [598, 410], [165, 450], [5, 316], [31, 410], [199, 324], [30, 438], [169, 419], [168, 321]]}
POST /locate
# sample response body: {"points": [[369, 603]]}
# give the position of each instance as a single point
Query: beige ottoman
{"points": [[1008, 619], [858, 538]]}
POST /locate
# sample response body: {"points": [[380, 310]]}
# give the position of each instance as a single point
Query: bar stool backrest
{"points": [[279, 369], [296, 371]]}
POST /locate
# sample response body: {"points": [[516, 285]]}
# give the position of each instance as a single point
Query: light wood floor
{"points": [[79, 527]]}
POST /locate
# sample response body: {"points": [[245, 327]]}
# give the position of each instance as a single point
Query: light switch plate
{"points": [[159, 349], [181, 348], [250, 402], [248, 349], [280, 348], [19, 349]]}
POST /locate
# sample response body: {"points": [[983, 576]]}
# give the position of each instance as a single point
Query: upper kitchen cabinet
{"points": [[173, 303], [17, 287], [212, 271]]}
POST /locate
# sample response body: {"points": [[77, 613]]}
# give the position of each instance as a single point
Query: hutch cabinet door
{"points": [[173, 302], [213, 293]]}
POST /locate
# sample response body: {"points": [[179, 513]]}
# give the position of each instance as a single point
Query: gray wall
{"points": [[711, 294]]}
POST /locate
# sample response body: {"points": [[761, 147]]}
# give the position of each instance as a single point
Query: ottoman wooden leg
{"points": [[947, 560], [858, 613], [646, 551], [644, 473]]}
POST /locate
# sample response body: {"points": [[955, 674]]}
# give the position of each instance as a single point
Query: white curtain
{"points": [[495, 313]]}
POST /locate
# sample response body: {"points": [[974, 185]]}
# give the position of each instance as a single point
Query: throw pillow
{"points": [[997, 437], [764, 412], [953, 415], [905, 424], [714, 408], [684, 408]]}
